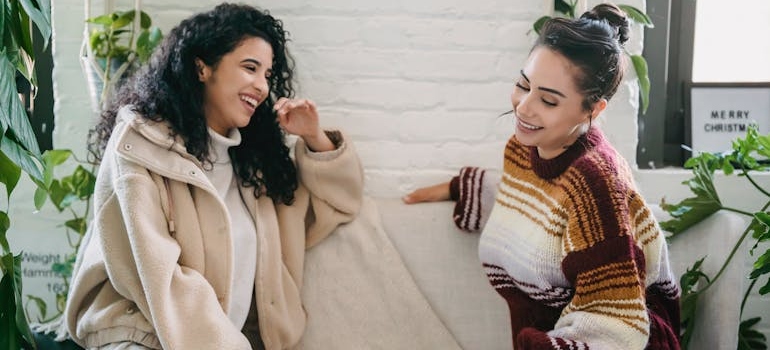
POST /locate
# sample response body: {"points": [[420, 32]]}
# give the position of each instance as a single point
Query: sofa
{"points": [[403, 277]]}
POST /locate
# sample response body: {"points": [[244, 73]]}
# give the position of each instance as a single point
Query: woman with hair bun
{"points": [[202, 217], [567, 240]]}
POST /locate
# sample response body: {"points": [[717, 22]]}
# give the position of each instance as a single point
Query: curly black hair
{"points": [[167, 89]]}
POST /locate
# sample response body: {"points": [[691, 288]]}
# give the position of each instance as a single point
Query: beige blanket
{"points": [[359, 295]]}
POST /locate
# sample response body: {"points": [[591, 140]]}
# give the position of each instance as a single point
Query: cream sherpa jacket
{"points": [[156, 264]]}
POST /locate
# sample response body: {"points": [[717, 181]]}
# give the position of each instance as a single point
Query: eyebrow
{"points": [[553, 91], [251, 60]]}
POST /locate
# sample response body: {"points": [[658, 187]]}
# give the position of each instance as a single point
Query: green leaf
{"points": [[9, 334], [41, 194], [640, 66], [5, 224], [123, 19], [539, 24], [83, 183], [9, 173], [78, 225], [21, 157], [38, 15], [52, 159], [15, 328], [749, 338], [144, 20], [693, 210], [20, 28], [12, 113], [60, 195], [689, 299], [567, 8], [637, 15], [104, 20], [2, 25], [765, 289], [761, 266], [763, 143], [146, 43], [40, 303], [64, 269], [761, 230]]}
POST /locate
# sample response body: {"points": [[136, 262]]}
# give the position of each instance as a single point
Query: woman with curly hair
{"points": [[202, 217]]}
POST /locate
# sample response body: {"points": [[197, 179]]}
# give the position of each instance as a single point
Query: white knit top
{"points": [[244, 233]]}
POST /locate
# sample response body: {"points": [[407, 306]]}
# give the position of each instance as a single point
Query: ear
{"points": [[202, 69], [598, 108]]}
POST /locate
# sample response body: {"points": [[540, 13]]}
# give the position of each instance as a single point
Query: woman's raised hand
{"points": [[300, 117]]}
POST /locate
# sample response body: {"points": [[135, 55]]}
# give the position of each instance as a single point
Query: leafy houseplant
{"points": [[18, 150], [64, 193], [743, 159], [117, 44], [567, 8]]}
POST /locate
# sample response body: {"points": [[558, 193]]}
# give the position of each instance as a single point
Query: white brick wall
{"points": [[417, 84]]}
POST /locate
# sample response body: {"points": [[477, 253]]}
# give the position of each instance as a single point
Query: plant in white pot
{"points": [[116, 44]]}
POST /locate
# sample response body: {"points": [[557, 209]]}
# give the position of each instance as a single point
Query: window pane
{"points": [[732, 42]]}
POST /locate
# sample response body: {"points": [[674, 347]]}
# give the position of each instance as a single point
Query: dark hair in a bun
{"points": [[614, 16], [593, 43]]}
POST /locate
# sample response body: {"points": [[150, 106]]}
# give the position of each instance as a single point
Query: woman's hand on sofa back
{"points": [[436, 193]]}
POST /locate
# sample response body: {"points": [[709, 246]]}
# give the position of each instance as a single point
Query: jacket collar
{"points": [[150, 144]]}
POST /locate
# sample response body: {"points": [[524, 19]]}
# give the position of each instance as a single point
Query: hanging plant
{"points": [[116, 45]]}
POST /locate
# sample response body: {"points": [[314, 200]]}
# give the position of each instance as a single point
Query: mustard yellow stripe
{"points": [[543, 199], [585, 228]]}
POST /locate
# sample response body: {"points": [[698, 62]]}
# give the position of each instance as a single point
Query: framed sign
{"points": [[718, 113]]}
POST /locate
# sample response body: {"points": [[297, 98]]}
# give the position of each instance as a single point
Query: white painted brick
{"points": [[481, 8], [405, 33], [346, 63]]}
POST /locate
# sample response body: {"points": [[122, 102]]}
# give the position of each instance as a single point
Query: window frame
{"points": [[668, 49]]}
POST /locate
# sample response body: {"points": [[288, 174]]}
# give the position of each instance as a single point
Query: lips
{"points": [[528, 126], [250, 100]]}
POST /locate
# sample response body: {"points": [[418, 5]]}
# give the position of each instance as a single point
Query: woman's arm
{"points": [[335, 183], [474, 191]]}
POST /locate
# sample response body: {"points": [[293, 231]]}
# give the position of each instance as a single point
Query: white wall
{"points": [[417, 85]]}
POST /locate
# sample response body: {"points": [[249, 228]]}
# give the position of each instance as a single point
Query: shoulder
{"points": [[602, 167]]}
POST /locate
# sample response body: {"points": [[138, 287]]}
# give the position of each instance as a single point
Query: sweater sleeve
{"points": [[474, 191], [604, 265], [335, 183]]}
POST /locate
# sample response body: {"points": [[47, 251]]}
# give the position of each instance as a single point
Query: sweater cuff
{"points": [[335, 136], [454, 188], [468, 212]]}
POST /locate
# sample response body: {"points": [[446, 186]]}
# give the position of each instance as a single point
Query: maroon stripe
{"points": [[477, 226]]}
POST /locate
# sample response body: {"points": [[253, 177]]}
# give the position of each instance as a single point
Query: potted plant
{"points": [[116, 44], [748, 156]]}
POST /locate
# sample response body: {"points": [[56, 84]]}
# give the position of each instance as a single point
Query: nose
{"points": [[262, 85], [520, 101]]}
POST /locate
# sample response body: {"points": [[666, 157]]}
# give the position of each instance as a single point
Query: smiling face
{"points": [[548, 106], [236, 85]]}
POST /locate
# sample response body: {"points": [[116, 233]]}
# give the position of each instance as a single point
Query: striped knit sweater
{"points": [[571, 246]]}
